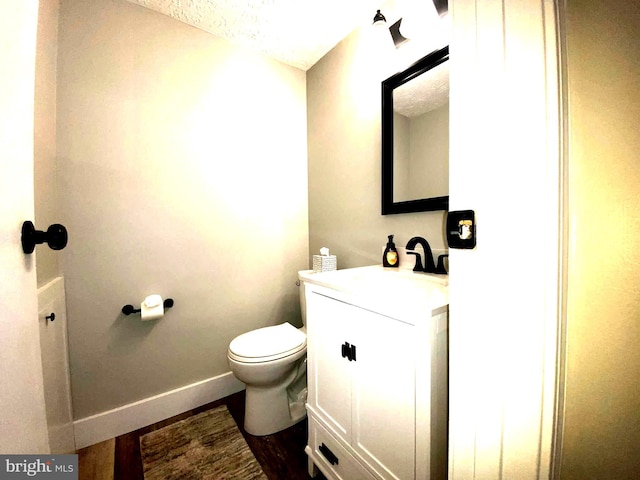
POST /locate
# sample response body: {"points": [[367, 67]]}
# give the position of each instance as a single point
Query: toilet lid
{"points": [[277, 341]]}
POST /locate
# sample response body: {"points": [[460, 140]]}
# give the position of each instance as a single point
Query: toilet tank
{"points": [[303, 300]]}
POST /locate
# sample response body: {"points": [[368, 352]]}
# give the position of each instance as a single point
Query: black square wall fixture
{"points": [[461, 229]]}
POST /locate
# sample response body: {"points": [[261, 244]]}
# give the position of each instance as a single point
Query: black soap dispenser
{"points": [[390, 257]]}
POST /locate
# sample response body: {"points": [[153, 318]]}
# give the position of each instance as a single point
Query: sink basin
{"points": [[395, 291], [380, 273]]}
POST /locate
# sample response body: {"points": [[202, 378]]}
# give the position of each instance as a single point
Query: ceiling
{"points": [[295, 32], [424, 93]]}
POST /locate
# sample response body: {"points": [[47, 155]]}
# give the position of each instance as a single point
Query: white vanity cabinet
{"points": [[376, 404]]}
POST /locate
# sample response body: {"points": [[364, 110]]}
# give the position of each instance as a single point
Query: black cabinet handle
{"points": [[51, 317], [349, 351], [328, 454]]}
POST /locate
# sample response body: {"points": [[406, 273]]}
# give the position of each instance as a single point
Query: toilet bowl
{"points": [[272, 362]]}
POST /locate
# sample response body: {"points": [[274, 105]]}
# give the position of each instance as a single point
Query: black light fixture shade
{"points": [[378, 17], [397, 37], [394, 29], [442, 6]]}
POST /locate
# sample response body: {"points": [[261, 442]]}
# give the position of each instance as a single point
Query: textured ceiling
{"points": [[423, 93], [295, 32]]}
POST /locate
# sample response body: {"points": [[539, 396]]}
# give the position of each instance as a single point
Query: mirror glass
{"points": [[415, 137]]}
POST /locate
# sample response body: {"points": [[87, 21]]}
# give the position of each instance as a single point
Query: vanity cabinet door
{"points": [[383, 390], [329, 373], [362, 382]]}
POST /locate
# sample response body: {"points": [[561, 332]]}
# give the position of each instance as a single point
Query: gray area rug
{"points": [[205, 446]]}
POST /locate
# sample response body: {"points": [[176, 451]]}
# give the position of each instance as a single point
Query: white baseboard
{"points": [[121, 420]]}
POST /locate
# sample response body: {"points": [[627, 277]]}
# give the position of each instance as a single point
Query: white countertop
{"points": [[398, 293]]}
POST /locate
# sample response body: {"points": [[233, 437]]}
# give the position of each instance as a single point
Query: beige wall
{"points": [[45, 180], [430, 154], [343, 103], [602, 421], [421, 155], [183, 168]]}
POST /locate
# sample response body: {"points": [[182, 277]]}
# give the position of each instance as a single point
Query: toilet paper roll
{"points": [[152, 308]]}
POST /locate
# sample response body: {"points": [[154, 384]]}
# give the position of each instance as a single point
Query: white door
{"points": [[23, 427], [504, 294]]}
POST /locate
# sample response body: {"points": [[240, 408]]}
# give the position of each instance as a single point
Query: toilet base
{"points": [[276, 392], [269, 410]]}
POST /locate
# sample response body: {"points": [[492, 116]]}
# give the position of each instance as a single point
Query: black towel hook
{"points": [[55, 236]]}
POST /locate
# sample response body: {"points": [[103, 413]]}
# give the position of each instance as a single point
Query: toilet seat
{"points": [[267, 344]]}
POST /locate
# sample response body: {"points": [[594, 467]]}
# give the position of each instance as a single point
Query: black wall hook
{"points": [[129, 309], [55, 236]]}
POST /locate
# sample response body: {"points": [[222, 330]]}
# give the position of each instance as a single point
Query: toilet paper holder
{"points": [[129, 309]]}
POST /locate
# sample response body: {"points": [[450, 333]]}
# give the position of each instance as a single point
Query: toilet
{"points": [[272, 362]]}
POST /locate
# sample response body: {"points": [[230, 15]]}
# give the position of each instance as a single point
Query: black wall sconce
{"points": [[380, 20], [438, 7], [55, 236]]}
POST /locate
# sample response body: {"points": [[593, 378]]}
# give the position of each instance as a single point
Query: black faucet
{"points": [[429, 265], [440, 268]]}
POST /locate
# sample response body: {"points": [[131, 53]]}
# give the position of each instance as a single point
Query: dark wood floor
{"points": [[281, 455]]}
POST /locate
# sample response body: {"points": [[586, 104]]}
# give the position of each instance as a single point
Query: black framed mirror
{"points": [[415, 137]]}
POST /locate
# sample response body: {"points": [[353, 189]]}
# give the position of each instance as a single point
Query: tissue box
{"points": [[324, 263]]}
